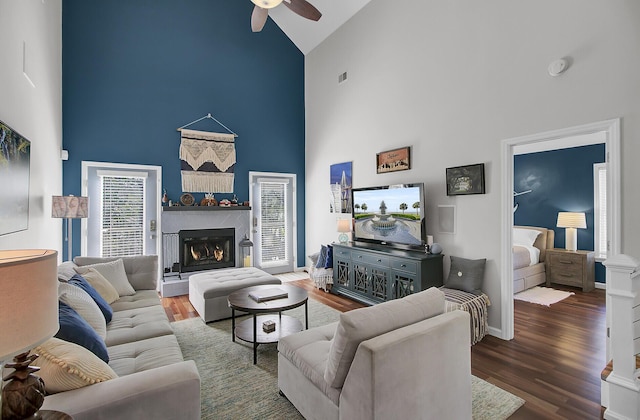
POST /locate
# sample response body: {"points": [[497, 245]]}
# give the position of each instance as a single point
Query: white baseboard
{"points": [[601, 285]]}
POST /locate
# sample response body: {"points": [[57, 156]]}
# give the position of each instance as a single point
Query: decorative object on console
{"points": [[393, 160], [436, 248], [300, 7], [571, 221], [429, 244], [245, 251], [14, 172], [340, 183], [344, 227], [207, 160], [466, 275], [69, 207], [28, 317], [465, 180]]}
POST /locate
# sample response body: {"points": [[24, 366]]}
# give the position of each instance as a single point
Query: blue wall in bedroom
{"points": [[135, 70], [560, 180]]}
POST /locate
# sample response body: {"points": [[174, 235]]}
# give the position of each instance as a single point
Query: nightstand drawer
{"points": [[566, 264], [563, 277], [572, 268]]}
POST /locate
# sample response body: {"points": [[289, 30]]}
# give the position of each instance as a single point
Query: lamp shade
{"points": [[69, 207], [28, 300], [571, 220], [344, 225]]}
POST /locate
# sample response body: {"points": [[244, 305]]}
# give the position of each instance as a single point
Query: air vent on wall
{"points": [[342, 77]]}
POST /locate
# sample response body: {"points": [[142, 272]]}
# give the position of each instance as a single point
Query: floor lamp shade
{"points": [[571, 221], [28, 300], [69, 207]]}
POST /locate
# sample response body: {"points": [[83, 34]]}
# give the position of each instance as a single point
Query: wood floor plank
{"points": [[553, 363]]}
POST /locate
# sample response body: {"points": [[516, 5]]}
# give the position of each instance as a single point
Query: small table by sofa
{"points": [[268, 310]]}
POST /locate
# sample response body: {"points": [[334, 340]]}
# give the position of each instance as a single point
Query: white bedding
{"points": [[534, 255]]}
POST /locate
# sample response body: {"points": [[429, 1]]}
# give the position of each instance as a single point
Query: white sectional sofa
{"points": [[154, 382]]}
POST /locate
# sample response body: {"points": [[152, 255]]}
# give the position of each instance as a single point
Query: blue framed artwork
{"points": [[15, 153], [341, 181]]}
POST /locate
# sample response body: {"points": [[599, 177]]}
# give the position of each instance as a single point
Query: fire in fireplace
{"points": [[207, 249]]}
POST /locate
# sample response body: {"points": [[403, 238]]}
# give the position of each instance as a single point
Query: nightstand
{"points": [[571, 268]]}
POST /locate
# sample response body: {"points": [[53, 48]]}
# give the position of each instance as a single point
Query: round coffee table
{"points": [[267, 310]]}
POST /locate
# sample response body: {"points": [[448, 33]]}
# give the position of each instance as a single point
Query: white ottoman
{"points": [[208, 291]]}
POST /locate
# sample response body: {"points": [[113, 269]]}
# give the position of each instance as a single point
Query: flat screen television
{"points": [[390, 215]]}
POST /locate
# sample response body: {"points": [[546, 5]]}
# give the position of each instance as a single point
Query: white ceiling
{"points": [[307, 34]]}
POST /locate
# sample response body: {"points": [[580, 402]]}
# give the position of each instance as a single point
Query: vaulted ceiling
{"points": [[306, 34]]}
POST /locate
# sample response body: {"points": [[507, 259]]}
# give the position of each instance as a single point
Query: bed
{"points": [[529, 251]]}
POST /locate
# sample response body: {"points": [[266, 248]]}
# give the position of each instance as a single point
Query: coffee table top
{"points": [[241, 301]]}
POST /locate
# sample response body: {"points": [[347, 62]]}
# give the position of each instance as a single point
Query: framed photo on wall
{"points": [[394, 160], [465, 180]]}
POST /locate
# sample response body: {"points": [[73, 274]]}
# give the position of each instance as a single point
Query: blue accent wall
{"points": [[559, 180], [135, 70]]}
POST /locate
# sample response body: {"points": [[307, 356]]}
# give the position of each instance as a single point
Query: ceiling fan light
{"points": [[266, 4]]}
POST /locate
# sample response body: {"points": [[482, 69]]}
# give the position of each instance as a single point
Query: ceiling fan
{"points": [[261, 11]]}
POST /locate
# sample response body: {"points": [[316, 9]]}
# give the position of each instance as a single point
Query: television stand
{"points": [[373, 274]]}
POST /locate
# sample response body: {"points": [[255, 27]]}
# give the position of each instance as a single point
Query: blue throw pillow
{"points": [[322, 258], [106, 310], [74, 329], [329, 262]]}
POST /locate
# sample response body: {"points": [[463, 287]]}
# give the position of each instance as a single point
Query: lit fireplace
{"points": [[207, 249]]}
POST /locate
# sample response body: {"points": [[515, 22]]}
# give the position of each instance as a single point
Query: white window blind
{"points": [[274, 217], [122, 215], [600, 209]]}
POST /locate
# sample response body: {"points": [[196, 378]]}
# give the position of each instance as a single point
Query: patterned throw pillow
{"points": [[322, 258], [82, 283], [65, 366], [84, 305], [114, 272], [329, 262], [76, 330]]}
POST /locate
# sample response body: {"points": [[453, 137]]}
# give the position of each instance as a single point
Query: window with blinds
{"points": [[122, 215], [273, 213], [600, 209]]}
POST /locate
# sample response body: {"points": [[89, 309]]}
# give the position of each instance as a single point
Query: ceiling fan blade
{"points": [[258, 18], [304, 9]]}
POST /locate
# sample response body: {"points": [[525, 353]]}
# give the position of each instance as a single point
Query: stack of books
{"points": [[268, 294]]}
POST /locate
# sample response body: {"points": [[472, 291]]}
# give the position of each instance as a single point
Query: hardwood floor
{"points": [[553, 363]]}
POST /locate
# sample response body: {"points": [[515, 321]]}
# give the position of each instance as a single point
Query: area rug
{"points": [[233, 387], [542, 295]]}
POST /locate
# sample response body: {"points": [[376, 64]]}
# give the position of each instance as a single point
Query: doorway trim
{"points": [[612, 155]]}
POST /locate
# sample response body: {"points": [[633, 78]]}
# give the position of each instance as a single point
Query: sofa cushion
{"points": [[114, 272], [365, 323], [76, 330], [81, 282], [142, 355], [65, 366], [84, 305], [142, 299], [308, 351], [66, 270], [137, 324], [142, 270], [466, 275]]}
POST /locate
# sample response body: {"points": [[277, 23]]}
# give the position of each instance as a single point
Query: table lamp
{"points": [[571, 221], [69, 207], [28, 317], [344, 226]]}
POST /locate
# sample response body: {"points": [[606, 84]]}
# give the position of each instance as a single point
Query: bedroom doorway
{"points": [[551, 140]]}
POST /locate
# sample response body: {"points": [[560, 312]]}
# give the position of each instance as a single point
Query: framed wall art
{"points": [[465, 180], [394, 160], [15, 152], [341, 182]]}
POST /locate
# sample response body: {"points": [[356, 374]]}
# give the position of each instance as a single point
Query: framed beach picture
{"points": [[394, 160], [465, 180], [341, 181], [15, 151]]}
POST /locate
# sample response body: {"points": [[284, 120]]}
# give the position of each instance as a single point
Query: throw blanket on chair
{"points": [[208, 161], [475, 305]]}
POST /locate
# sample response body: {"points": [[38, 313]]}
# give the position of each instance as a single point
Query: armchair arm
{"points": [[167, 392]]}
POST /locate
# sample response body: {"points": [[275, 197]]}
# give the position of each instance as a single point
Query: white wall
{"points": [[35, 112], [453, 79]]}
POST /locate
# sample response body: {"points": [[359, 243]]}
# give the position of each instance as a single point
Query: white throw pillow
{"points": [[65, 366], [102, 285], [114, 272], [525, 237], [84, 305]]}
